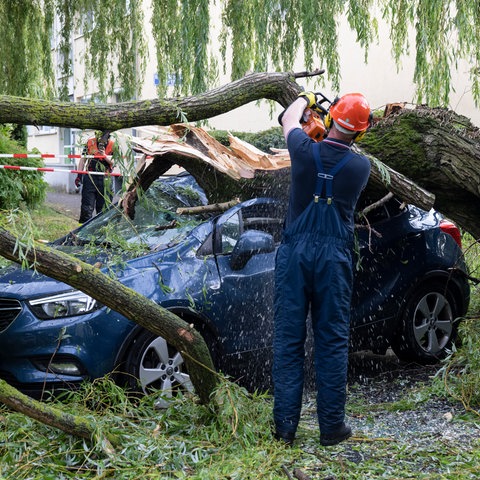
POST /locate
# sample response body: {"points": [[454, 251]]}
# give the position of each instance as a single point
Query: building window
{"points": [[41, 130]]}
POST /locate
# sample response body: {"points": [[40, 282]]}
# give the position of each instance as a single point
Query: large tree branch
{"points": [[399, 184], [280, 87]]}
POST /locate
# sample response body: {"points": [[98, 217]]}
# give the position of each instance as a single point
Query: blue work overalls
{"points": [[313, 270]]}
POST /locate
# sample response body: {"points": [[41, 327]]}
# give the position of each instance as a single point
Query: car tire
{"points": [[428, 324], [152, 365]]}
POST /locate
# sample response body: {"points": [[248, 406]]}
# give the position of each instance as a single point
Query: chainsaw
{"points": [[312, 118]]}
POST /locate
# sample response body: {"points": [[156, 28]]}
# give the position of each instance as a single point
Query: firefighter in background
{"points": [[95, 189]]}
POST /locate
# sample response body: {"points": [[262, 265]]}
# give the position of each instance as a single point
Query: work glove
{"points": [[310, 97], [311, 100], [78, 181]]}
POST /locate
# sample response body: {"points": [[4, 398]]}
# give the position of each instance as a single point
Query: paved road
{"points": [[66, 203]]}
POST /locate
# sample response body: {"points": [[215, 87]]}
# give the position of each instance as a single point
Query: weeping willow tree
{"points": [[254, 35]]}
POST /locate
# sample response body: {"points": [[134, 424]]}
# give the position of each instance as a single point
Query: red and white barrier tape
{"points": [[48, 169], [53, 155]]}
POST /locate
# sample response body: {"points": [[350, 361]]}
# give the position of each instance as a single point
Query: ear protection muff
{"points": [[359, 136], [328, 120]]}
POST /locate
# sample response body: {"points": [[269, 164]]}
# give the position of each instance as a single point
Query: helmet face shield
{"points": [[352, 112]]}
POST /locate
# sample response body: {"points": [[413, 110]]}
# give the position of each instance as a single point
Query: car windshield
{"points": [[156, 223]]}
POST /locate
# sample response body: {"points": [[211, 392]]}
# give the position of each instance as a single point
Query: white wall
{"points": [[378, 80]]}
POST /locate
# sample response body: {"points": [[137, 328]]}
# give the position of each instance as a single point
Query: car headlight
{"points": [[63, 305]]}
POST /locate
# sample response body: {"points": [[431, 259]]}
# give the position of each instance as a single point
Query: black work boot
{"points": [[286, 438], [338, 435]]}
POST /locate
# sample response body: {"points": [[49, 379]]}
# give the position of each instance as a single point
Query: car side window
{"points": [[379, 208], [267, 218], [231, 231], [264, 217]]}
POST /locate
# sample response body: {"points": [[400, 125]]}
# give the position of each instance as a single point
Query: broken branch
{"points": [[376, 204], [214, 207], [317, 71]]}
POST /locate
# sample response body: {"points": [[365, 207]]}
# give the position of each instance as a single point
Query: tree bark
{"points": [[127, 302], [54, 417], [280, 87], [439, 150]]}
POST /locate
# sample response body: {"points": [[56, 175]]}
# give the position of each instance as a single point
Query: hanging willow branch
{"points": [[196, 40]]}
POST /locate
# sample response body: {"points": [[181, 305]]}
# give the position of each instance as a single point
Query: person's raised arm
{"points": [[293, 114]]}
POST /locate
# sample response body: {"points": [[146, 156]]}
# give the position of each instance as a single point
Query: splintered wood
{"points": [[241, 160], [250, 171]]}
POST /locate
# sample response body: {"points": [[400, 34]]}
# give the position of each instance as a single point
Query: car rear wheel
{"points": [[153, 365], [428, 324]]}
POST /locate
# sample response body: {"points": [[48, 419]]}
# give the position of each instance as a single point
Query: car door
{"points": [[245, 243], [387, 248]]}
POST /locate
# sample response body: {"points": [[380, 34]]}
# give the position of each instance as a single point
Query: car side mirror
{"points": [[250, 243]]}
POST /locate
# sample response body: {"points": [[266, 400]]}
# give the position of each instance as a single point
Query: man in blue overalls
{"points": [[314, 267]]}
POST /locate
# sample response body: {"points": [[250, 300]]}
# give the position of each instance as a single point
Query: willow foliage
{"points": [[26, 64], [250, 35], [181, 30]]}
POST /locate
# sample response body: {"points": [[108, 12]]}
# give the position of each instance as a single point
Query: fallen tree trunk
{"points": [[440, 151], [428, 157], [442, 147], [239, 171], [124, 300], [54, 417], [280, 87]]}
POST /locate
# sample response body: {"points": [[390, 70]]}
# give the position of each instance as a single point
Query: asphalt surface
{"points": [[66, 203]]}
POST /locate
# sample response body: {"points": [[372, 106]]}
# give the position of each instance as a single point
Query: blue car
{"points": [[216, 272]]}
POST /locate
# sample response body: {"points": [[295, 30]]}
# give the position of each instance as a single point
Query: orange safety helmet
{"points": [[351, 112]]}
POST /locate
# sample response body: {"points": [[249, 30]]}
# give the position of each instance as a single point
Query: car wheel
{"points": [[428, 324], [153, 365]]}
